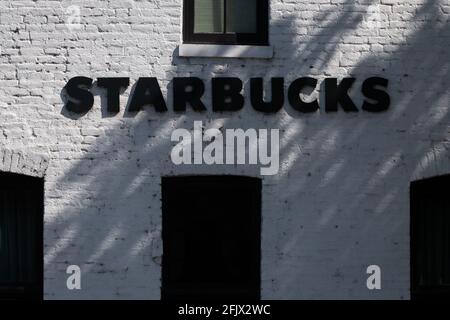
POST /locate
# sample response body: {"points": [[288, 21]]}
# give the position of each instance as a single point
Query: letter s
{"points": [[381, 97], [80, 99]]}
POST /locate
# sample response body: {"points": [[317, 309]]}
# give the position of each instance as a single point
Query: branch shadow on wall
{"points": [[338, 202]]}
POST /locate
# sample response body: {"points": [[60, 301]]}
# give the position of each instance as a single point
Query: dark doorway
{"points": [[430, 238], [21, 236], [211, 237]]}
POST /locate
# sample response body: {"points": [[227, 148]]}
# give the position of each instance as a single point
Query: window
{"points": [[21, 240], [238, 22], [211, 237], [430, 238]]}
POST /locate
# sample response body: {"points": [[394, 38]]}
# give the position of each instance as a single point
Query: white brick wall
{"points": [[340, 201]]}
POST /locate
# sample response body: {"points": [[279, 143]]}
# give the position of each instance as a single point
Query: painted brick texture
{"points": [[341, 199]]}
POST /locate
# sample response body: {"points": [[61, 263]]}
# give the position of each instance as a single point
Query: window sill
{"points": [[225, 51]]}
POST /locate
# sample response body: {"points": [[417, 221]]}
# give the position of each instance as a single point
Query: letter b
{"points": [[226, 94]]}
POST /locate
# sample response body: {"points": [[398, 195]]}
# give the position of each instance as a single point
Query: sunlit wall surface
{"points": [[340, 201]]}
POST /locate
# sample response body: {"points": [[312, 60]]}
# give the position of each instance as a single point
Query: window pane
{"points": [[241, 16], [208, 16]]}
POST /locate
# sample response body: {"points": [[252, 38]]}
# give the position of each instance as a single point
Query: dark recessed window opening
{"points": [[21, 236], [430, 238], [211, 237], [241, 22]]}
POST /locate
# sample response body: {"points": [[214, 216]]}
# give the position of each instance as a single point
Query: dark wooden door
{"points": [[211, 237], [430, 238], [21, 241]]}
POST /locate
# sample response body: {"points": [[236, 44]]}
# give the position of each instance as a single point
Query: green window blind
{"points": [[225, 16]]}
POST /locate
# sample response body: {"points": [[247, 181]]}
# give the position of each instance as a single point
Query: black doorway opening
{"points": [[211, 237], [21, 236], [430, 238]]}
